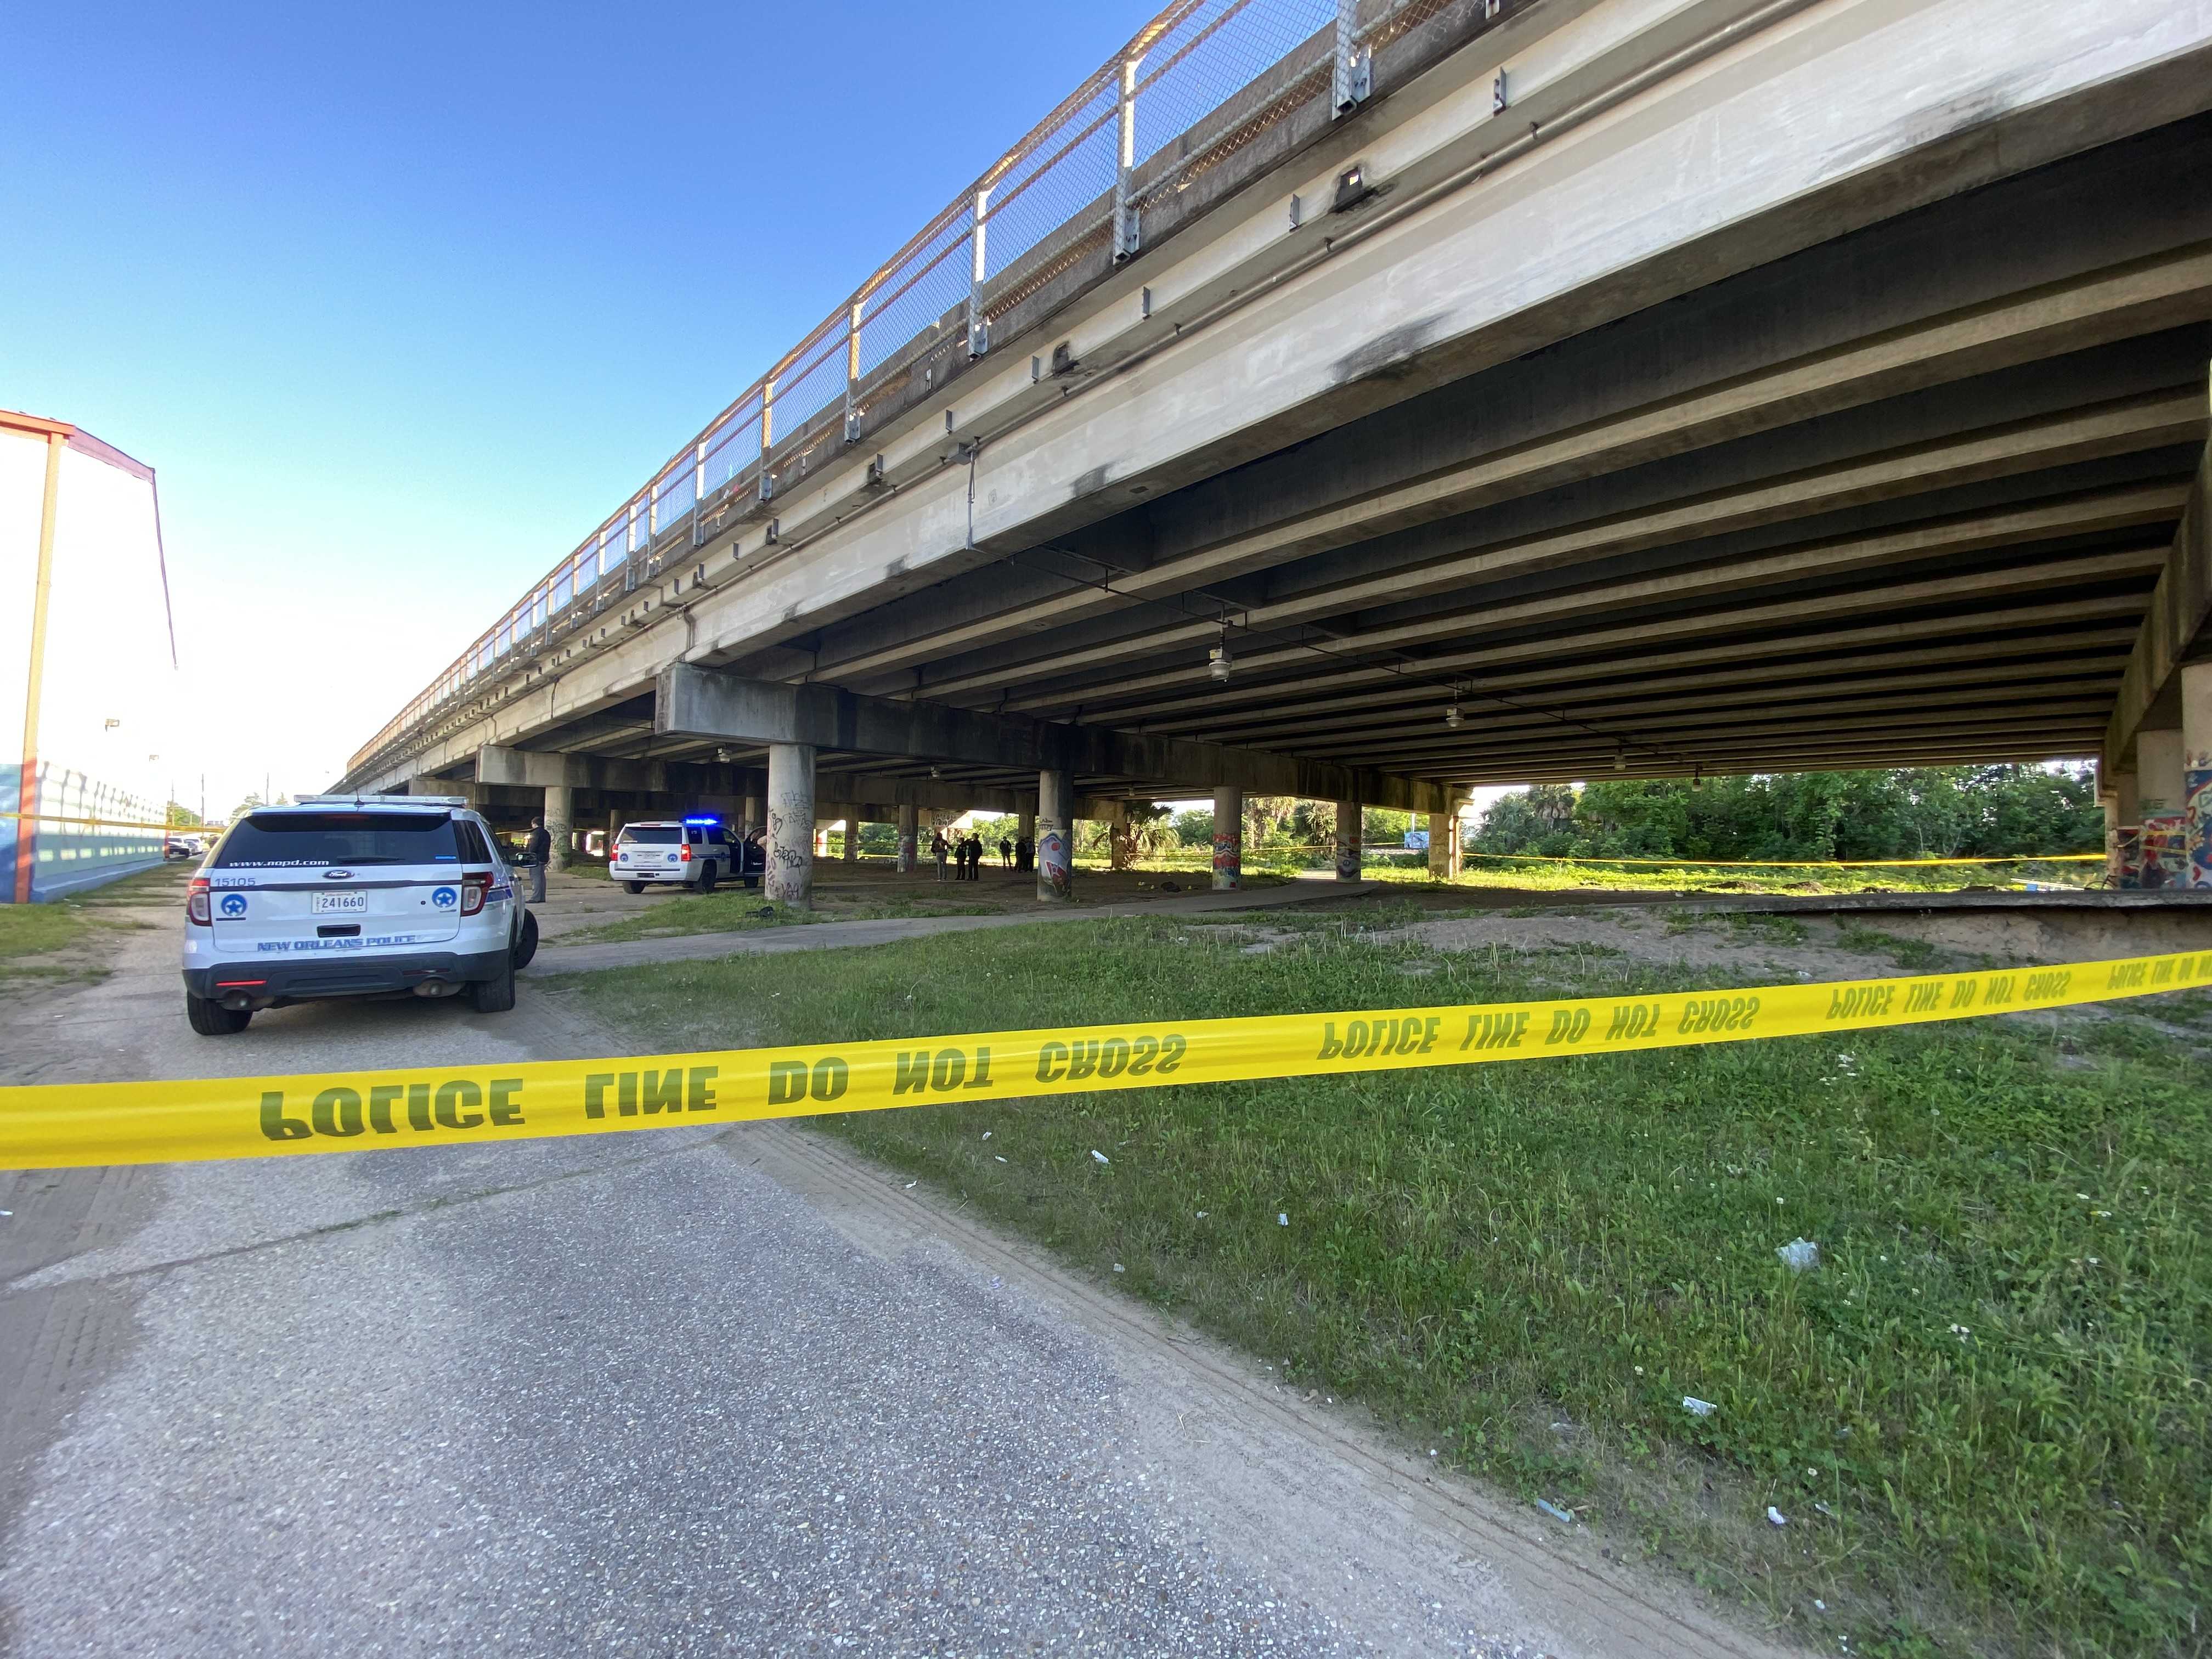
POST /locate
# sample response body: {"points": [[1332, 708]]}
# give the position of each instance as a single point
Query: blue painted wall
{"points": [[69, 857]]}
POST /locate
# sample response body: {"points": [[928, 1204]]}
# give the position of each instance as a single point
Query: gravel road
{"points": [[728, 1391]]}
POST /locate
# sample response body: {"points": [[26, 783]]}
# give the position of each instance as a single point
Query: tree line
{"points": [[1935, 811]]}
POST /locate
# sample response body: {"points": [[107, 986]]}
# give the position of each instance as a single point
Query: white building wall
{"points": [[109, 657]]}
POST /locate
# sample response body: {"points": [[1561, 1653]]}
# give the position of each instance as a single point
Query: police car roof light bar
{"points": [[381, 801]]}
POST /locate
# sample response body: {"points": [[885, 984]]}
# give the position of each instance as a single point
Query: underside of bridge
{"points": [[1900, 498], [1903, 493]]}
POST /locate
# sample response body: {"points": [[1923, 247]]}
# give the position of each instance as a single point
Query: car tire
{"points": [[494, 996], [525, 943], [213, 1019], [634, 886], [706, 878]]}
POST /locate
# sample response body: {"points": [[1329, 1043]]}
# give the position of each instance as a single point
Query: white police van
{"points": [[696, 852], [352, 896]]}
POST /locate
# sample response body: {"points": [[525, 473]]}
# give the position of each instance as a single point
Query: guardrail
{"points": [[1203, 80]]}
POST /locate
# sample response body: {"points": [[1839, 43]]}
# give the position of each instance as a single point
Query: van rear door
{"points": [[330, 883]]}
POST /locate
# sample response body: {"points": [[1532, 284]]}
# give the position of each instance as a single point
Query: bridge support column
{"points": [[560, 825], [790, 878], [756, 813], [2196, 771], [2108, 798], [2158, 776], [1055, 836], [1228, 838], [852, 840], [909, 832], [1443, 846], [1026, 832], [2123, 841], [1347, 841]]}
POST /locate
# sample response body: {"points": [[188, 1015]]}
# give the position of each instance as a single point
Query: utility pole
{"points": [[27, 789]]}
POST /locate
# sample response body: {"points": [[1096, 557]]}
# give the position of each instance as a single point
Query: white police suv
{"points": [[694, 851], [352, 896]]}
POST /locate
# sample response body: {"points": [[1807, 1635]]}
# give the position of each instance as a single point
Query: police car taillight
{"points": [[686, 856], [196, 903], [473, 889]]}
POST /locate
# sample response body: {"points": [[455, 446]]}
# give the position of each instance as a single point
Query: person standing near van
{"points": [[540, 848]]}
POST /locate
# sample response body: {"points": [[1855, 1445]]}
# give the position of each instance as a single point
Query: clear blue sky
{"points": [[400, 300]]}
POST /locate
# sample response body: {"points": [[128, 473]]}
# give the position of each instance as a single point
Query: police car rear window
{"points": [[652, 836], [310, 840]]}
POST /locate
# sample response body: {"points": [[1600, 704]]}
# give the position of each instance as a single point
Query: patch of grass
{"points": [[43, 975], [1985, 1415], [31, 930], [1754, 925], [73, 925], [1913, 956], [732, 910], [1367, 916]]}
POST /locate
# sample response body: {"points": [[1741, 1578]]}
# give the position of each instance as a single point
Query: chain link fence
{"points": [[1133, 148]]}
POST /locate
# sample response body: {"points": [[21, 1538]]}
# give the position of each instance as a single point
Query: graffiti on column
{"points": [[790, 847], [1228, 860], [1052, 860], [2127, 856], [2197, 816], [2162, 851], [1347, 859]]}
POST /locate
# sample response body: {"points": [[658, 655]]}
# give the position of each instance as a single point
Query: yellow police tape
{"points": [[114, 824], [66, 1125], [1800, 864]]}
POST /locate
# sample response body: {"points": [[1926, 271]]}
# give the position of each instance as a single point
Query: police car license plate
{"points": [[341, 903]]}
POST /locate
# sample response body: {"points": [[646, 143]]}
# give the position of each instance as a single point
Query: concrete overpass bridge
{"points": [[1367, 401]]}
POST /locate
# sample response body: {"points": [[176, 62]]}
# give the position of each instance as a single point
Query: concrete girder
{"points": [[710, 703], [1601, 652], [881, 799], [1808, 697], [1780, 736], [546, 769], [1826, 559], [1636, 438], [2141, 424], [1985, 586], [1426, 752], [2104, 648], [2173, 627]]}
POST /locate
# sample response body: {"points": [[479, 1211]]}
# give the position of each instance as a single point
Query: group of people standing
{"points": [[966, 852]]}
